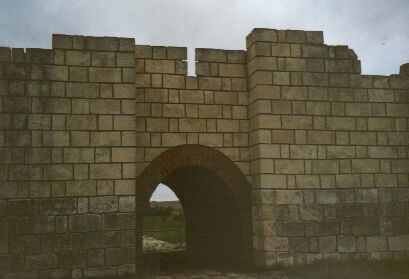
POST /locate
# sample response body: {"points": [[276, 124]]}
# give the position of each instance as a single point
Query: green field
{"points": [[169, 228]]}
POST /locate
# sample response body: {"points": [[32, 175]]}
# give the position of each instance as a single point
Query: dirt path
{"points": [[151, 244]]}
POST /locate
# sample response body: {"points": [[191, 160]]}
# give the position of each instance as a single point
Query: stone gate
{"points": [[280, 154]]}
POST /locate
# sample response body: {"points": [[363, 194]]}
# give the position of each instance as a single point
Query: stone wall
{"points": [[174, 109], [324, 148], [67, 158], [329, 152]]}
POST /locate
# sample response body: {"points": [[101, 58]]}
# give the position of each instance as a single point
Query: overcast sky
{"points": [[378, 30]]}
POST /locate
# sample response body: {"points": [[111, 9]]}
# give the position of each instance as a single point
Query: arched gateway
{"points": [[216, 199]]}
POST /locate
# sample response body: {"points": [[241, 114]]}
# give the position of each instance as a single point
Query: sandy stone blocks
{"points": [[192, 125], [85, 223], [102, 43], [103, 59], [57, 73], [160, 66], [82, 90], [62, 41], [58, 172], [115, 221], [232, 70], [105, 171], [77, 58], [104, 75], [210, 55]]}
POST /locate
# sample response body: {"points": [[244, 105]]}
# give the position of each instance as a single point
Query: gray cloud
{"points": [[377, 30]]}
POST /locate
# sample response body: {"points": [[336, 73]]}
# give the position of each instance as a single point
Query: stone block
{"points": [[72, 259], [78, 155], [300, 245], [40, 189], [289, 197], [81, 188], [105, 107], [325, 166], [307, 181], [105, 171], [102, 43], [124, 187], [339, 65], [296, 122], [57, 73], [126, 154], [117, 256], [82, 90], [81, 122], [103, 59], [376, 243], [290, 229], [327, 197], [96, 257], [160, 66], [40, 261], [303, 152], [173, 139], [398, 243], [192, 125], [5, 54], [210, 83], [78, 58], [232, 70], [327, 244], [192, 96], [17, 104], [58, 206], [78, 74], [125, 59], [276, 244], [210, 55], [103, 204], [127, 204], [62, 41], [39, 224], [58, 172], [327, 228], [174, 81], [311, 212], [85, 223], [124, 91], [346, 244], [24, 172], [366, 195], [176, 53], [100, 272], [115, 221], [105, 138], [104, 75], [314, 51]]}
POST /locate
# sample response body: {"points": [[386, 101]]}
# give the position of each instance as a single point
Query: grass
{"points": [[164, 225]]}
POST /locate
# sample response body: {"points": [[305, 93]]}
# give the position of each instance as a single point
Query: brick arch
{"points": [[197, 156]]}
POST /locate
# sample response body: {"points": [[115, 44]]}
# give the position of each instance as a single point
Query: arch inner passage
{"points": [[213, 220]]}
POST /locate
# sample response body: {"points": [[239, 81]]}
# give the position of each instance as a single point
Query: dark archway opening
{"points": [[213, 231], [215, 196]]}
